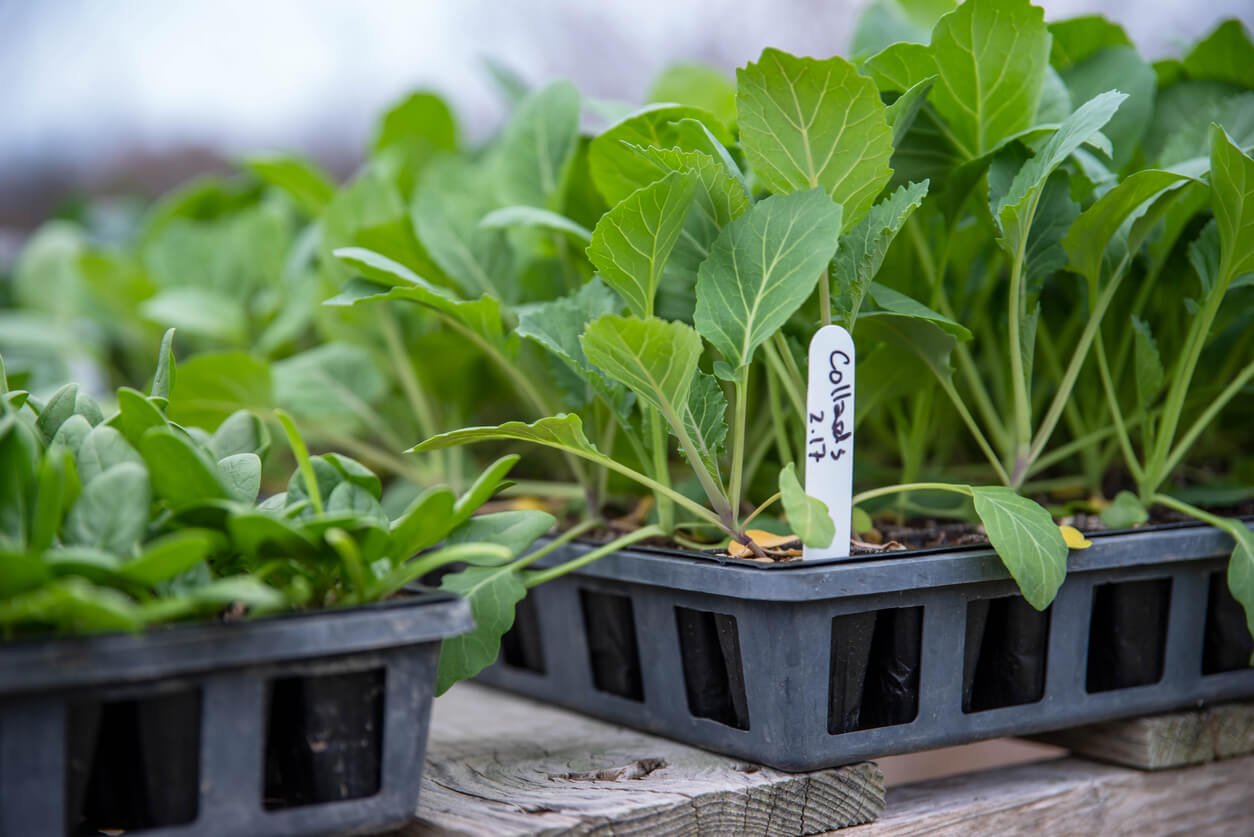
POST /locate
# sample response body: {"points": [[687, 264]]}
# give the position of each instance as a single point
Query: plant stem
{"points": [[661, 470], [302, 459], [763, 506], [558, 542], [542, 488], [1200, 424], [825, 298], [1121, 430], [540, 577], [1023, 422], [955, 399], [860, 498], [738, 441]]}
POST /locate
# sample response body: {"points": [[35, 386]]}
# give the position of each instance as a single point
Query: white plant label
{"points": [[829, 433]]}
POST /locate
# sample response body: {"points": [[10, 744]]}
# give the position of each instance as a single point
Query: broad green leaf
{"points": [[244, 590], [1044, 255], [19, 450], [699, 86], [898, 304], [514, 530], [862, 249], [483, 488], [900, 67], [20, 572], [356, 503], [332, 382], [618, 170], [112, 511], [705, 419], [562, 432], [536, 146], [241, 432], [169, 556], [419, 118], [54, 413], [1055, 103], [354, 472], [807, 516], [163, 380], [922, 338], [259, 534], [990, 57], [206, 313], [1232, 199], [1015, 211], [1188, 143], [1226, 54], [370, 212], [884, 22], [136, 415], [213, 386], [509, 217], [71, 434], [493, 592], [655, 359], [1087, 241], [807, 124], [73, 605], [762, 268], [1077, 38], [182, 474], [1123, 69], [52, 495], [1026, 540], [557, 326], [240, 474], [905, 108], [447, 207], [101, 449], [425, 523], [632, 242], [300, 179], [1147, 366], [387, 279], [1241, 570], [1124, 512]]}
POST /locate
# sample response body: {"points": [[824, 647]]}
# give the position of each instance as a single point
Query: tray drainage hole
{"points": [[1128, 634], [873, 680], [1227, 646], [714, 673], [521, 646], [133, 764], [613, 653], [1005, 650], [324, 736]]}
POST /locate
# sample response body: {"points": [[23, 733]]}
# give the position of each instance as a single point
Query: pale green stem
{"points": [[540, 577], [1207, 416], [738, 440], [661, 469], [859, 499], [556, 543]]}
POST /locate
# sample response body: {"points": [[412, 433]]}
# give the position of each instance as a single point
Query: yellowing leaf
{"points": [[764, 539], [1074, 538]]}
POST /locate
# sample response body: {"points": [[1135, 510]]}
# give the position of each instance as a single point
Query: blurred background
{"points": [[132, 97]]}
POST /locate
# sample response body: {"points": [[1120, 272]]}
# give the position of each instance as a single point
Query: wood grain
{"points": [[503, 765], [1164, 741], [1071, 796]]}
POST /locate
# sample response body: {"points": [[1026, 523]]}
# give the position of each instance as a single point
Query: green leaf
{"points": [[990, 57], [356, 503], [1120, 68], [1124, 512], [59, 408], [112, 512], [655, 359], [895, 302], [19, 450], [425, 523], [73, 605], [169, 556], [333, 382], [1016, 210], [1026, 539], [1077, 38], [482, 316], [863, 248], [483, 488], [514, 530], [207, 313], [71, 434], [19, 573], [240, 473], [509, 217], [905, 108], [705, 419], [883, 22], [762, 268], [241, 432], [632, 241], [213, 386], [562, 432], [52, 490], [1232, 199], [493, 592], [920, 337], [182, 474], [807, 516], [900, 67], [448, 205], [352, 471], [618, 170], [136, 415], [1241, 570], [259, 534], [806, 124], [163, 380], [1147, 366], [305, 183], [101, 449], [698, 86], [414, 131], [536, 146], [1226, 54]]}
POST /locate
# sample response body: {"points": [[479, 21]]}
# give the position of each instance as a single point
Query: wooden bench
{"points": [[503, 765]]}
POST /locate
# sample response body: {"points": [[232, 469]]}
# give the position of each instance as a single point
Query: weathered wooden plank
{"points": [[1073, 796], [503, 765], [1162, 741]]}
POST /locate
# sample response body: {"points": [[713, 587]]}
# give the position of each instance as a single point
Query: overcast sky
{"points": [[82, 81]]}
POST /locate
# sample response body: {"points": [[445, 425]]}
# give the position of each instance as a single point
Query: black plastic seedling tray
{"points": [[804, 666], [302, 724]]}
